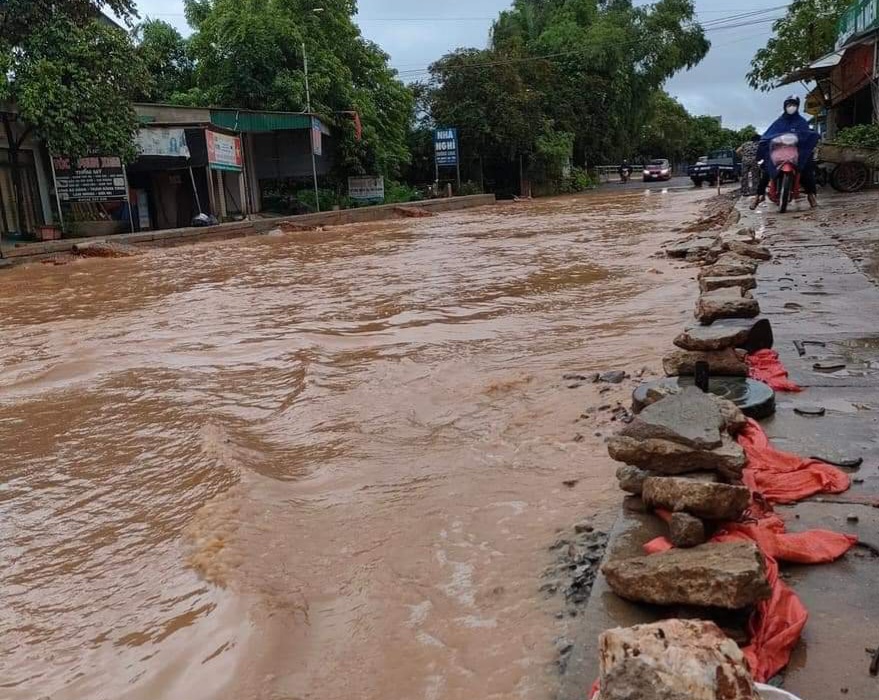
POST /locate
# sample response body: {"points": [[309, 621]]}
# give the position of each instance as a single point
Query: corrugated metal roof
{"points": [[815, 69], [247, 121]]}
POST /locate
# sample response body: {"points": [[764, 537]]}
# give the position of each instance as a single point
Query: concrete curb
{"points": [[30, 252]]}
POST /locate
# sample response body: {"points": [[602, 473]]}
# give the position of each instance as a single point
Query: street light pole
{"points": [[310, 129]]}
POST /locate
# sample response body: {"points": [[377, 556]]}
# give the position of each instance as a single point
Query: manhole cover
{"points": [[755, 399]]}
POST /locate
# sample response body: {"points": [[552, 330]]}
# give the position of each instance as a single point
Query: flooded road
{"points": [[319, 465]]}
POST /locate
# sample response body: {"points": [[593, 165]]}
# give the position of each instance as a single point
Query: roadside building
{"points": [[221, 163], [846, 80], [239, 156], [36, 179]]}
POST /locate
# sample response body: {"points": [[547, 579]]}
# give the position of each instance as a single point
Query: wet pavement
{"points": [[323, 465], [821, 292]]}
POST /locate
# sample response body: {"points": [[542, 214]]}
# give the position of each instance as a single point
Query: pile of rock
{"points": [[106, 249], [681, 459], [680, 456], [726, 282], [725, 309]]}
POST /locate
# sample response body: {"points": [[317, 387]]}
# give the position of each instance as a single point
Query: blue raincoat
{"points": [[788, 123]]}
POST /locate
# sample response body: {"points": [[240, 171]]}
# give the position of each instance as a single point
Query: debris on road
{"points": [[672, 660]]}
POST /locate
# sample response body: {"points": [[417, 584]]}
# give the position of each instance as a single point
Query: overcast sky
{"points": [[417, 33]]}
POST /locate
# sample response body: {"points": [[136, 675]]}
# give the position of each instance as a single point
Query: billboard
{"points": [[224, 151], [92, 179], [445, 146], [366, 189], [163, 142]]}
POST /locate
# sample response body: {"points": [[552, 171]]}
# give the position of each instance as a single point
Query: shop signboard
{"points": [[168, 142], [224, 151], [857, 19], [445, 146], [366, 189], [91, 179]]}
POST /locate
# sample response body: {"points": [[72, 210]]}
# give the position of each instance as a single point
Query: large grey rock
{"points": [[734, 420], [743, 282], [673, 660], [738, 397], [672, 458], [682, 363], [725, 303], [735, 237], [685, 531], [749, 250], [704, 500], [688, 417], [730, 264], [749, 334], [631, 479], [692, 247], [729, 575]]}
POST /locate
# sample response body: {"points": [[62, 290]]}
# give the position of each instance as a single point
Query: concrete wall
{"points": [[34, 251], [287, 154]]}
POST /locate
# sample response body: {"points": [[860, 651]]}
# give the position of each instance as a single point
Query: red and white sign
{"points": [[317, 144], [224, 152]]}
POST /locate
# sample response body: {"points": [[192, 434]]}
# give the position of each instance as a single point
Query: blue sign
{"points": [[445, 146]]}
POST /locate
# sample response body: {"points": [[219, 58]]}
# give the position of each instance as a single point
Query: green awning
{"points": [[256, 122]]}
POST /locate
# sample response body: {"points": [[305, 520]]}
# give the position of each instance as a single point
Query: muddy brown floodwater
{"points": [[324, 465]]}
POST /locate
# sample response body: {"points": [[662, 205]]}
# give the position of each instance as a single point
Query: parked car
{"points": [[657, 170], [724, 163]]}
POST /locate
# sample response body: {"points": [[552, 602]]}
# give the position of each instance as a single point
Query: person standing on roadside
{"points": [[750, 170]]}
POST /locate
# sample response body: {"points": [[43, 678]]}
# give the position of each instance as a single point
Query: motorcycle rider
{"points": [[790, 121], [625, 171]]}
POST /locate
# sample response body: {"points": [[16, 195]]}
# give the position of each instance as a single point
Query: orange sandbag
{"points": [[766, 367], [782, 477], [776, 624]]}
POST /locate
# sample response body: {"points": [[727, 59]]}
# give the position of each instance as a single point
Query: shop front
{"points": [[186, 175]]}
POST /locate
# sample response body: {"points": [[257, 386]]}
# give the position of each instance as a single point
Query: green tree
{"points": [[806, 32], [164, 53], [706, 135], [492, 106], [667, 131], [248, 53], [588, 68], [69, 76]]}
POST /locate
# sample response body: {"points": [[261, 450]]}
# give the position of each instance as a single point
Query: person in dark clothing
{"points": [[750, 168], [791, 121]]}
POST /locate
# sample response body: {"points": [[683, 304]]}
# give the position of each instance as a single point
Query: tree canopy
{"points": [[577, 72], [671, 132], [165, 54], [248, 53], [806, 32], [71, 75]]}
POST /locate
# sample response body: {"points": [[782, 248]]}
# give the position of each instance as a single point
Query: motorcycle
{"points": [[784, 152], [625, 174]]}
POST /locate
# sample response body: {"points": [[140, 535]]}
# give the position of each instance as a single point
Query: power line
{"points": [[491, 19], [412, 74]]}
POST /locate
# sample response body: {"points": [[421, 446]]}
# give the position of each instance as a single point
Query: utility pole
{"points": [[310, 129]]}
